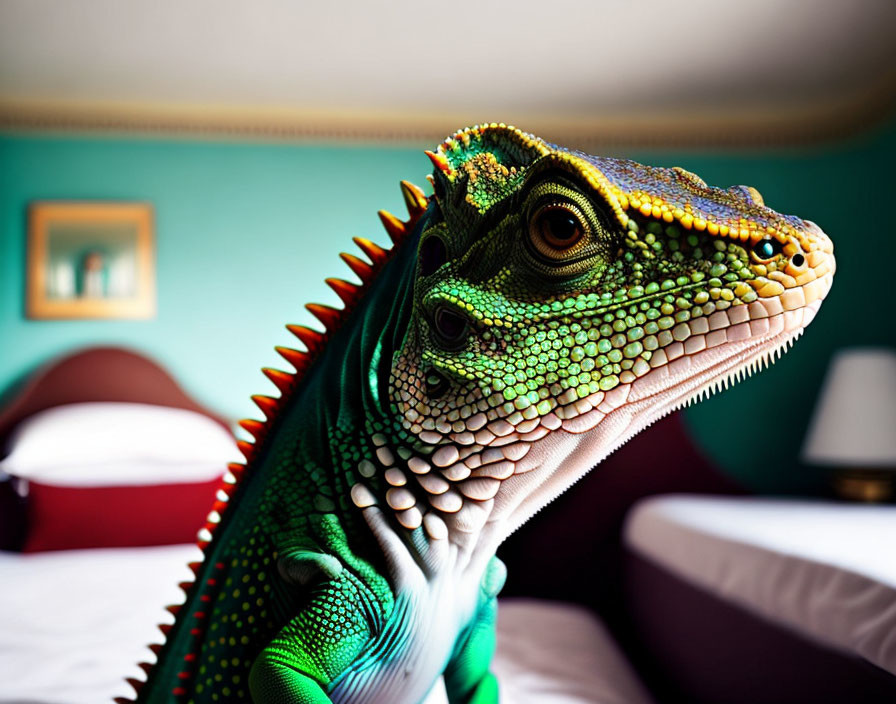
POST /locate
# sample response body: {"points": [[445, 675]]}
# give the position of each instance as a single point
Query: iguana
{"points": [[535, 312]]}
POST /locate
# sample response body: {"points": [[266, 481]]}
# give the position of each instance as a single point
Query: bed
{"points": [[758, 599], [88, 579]]}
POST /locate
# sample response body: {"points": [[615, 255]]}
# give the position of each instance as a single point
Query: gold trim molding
{"points": [[723, 127]]}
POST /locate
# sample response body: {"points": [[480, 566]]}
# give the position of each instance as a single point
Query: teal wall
{"points": [[246, 234]]}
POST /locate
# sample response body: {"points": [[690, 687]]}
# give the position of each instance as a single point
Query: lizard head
{"points": [[563, 302]]}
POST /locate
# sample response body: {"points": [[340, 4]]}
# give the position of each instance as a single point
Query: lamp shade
{"points": [[854, 423]]}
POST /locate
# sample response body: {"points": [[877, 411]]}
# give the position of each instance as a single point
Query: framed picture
{"points": [[90, 260]]}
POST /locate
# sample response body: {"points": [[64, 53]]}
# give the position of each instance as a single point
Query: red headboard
{"points": [[97, 374]]}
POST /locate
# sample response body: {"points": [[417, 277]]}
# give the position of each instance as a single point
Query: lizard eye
{"points": [[557, 230]]}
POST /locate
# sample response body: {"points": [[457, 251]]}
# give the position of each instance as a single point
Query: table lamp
{"points": [[853, 429]]}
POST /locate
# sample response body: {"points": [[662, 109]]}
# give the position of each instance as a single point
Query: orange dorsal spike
{"points": [[414, 199], [439, 161], [361, 268], [165, 628], [330, 317], [145, 666], [136, 684], [253, 427], [123, 700], [185, 585], [247, 448], [393, 225], [173, 609], [374, 252], [348, 292], [312, 339], [267, 405], [155, 648], [297, 359], [194, 566], [282, 380]]}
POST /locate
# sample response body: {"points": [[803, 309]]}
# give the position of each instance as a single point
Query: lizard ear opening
{"points": [[433, 254], [436, 384]]}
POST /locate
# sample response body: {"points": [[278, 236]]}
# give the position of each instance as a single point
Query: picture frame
{"points": [[90, 260]]}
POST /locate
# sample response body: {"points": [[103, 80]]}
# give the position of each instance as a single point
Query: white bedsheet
{"points": [[824, 569], [73, 624]]}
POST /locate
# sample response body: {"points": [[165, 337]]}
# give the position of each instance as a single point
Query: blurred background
{"points": [[178, 178], [265, 135]]}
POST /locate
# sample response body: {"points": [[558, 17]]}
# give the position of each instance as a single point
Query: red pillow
{"points": [[66, 518]]}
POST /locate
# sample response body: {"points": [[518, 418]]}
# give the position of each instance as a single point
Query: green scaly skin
{"points": [[538, 311]]}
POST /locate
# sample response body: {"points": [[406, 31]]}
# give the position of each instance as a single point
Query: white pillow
{"points": [[128, 442]]}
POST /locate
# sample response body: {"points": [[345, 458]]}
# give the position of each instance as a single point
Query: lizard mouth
{"points": [[715, 353]]}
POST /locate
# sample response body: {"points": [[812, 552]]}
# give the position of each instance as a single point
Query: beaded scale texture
{"points": [[538, 310]]}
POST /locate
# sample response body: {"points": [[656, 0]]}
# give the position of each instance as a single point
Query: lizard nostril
{"points": [[436, 385], [450, 327]]}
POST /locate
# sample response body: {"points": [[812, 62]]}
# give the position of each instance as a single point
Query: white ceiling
{"points": [[419, 65]]}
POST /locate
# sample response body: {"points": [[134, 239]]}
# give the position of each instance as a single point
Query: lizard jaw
{"points": [[582, 443]]}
